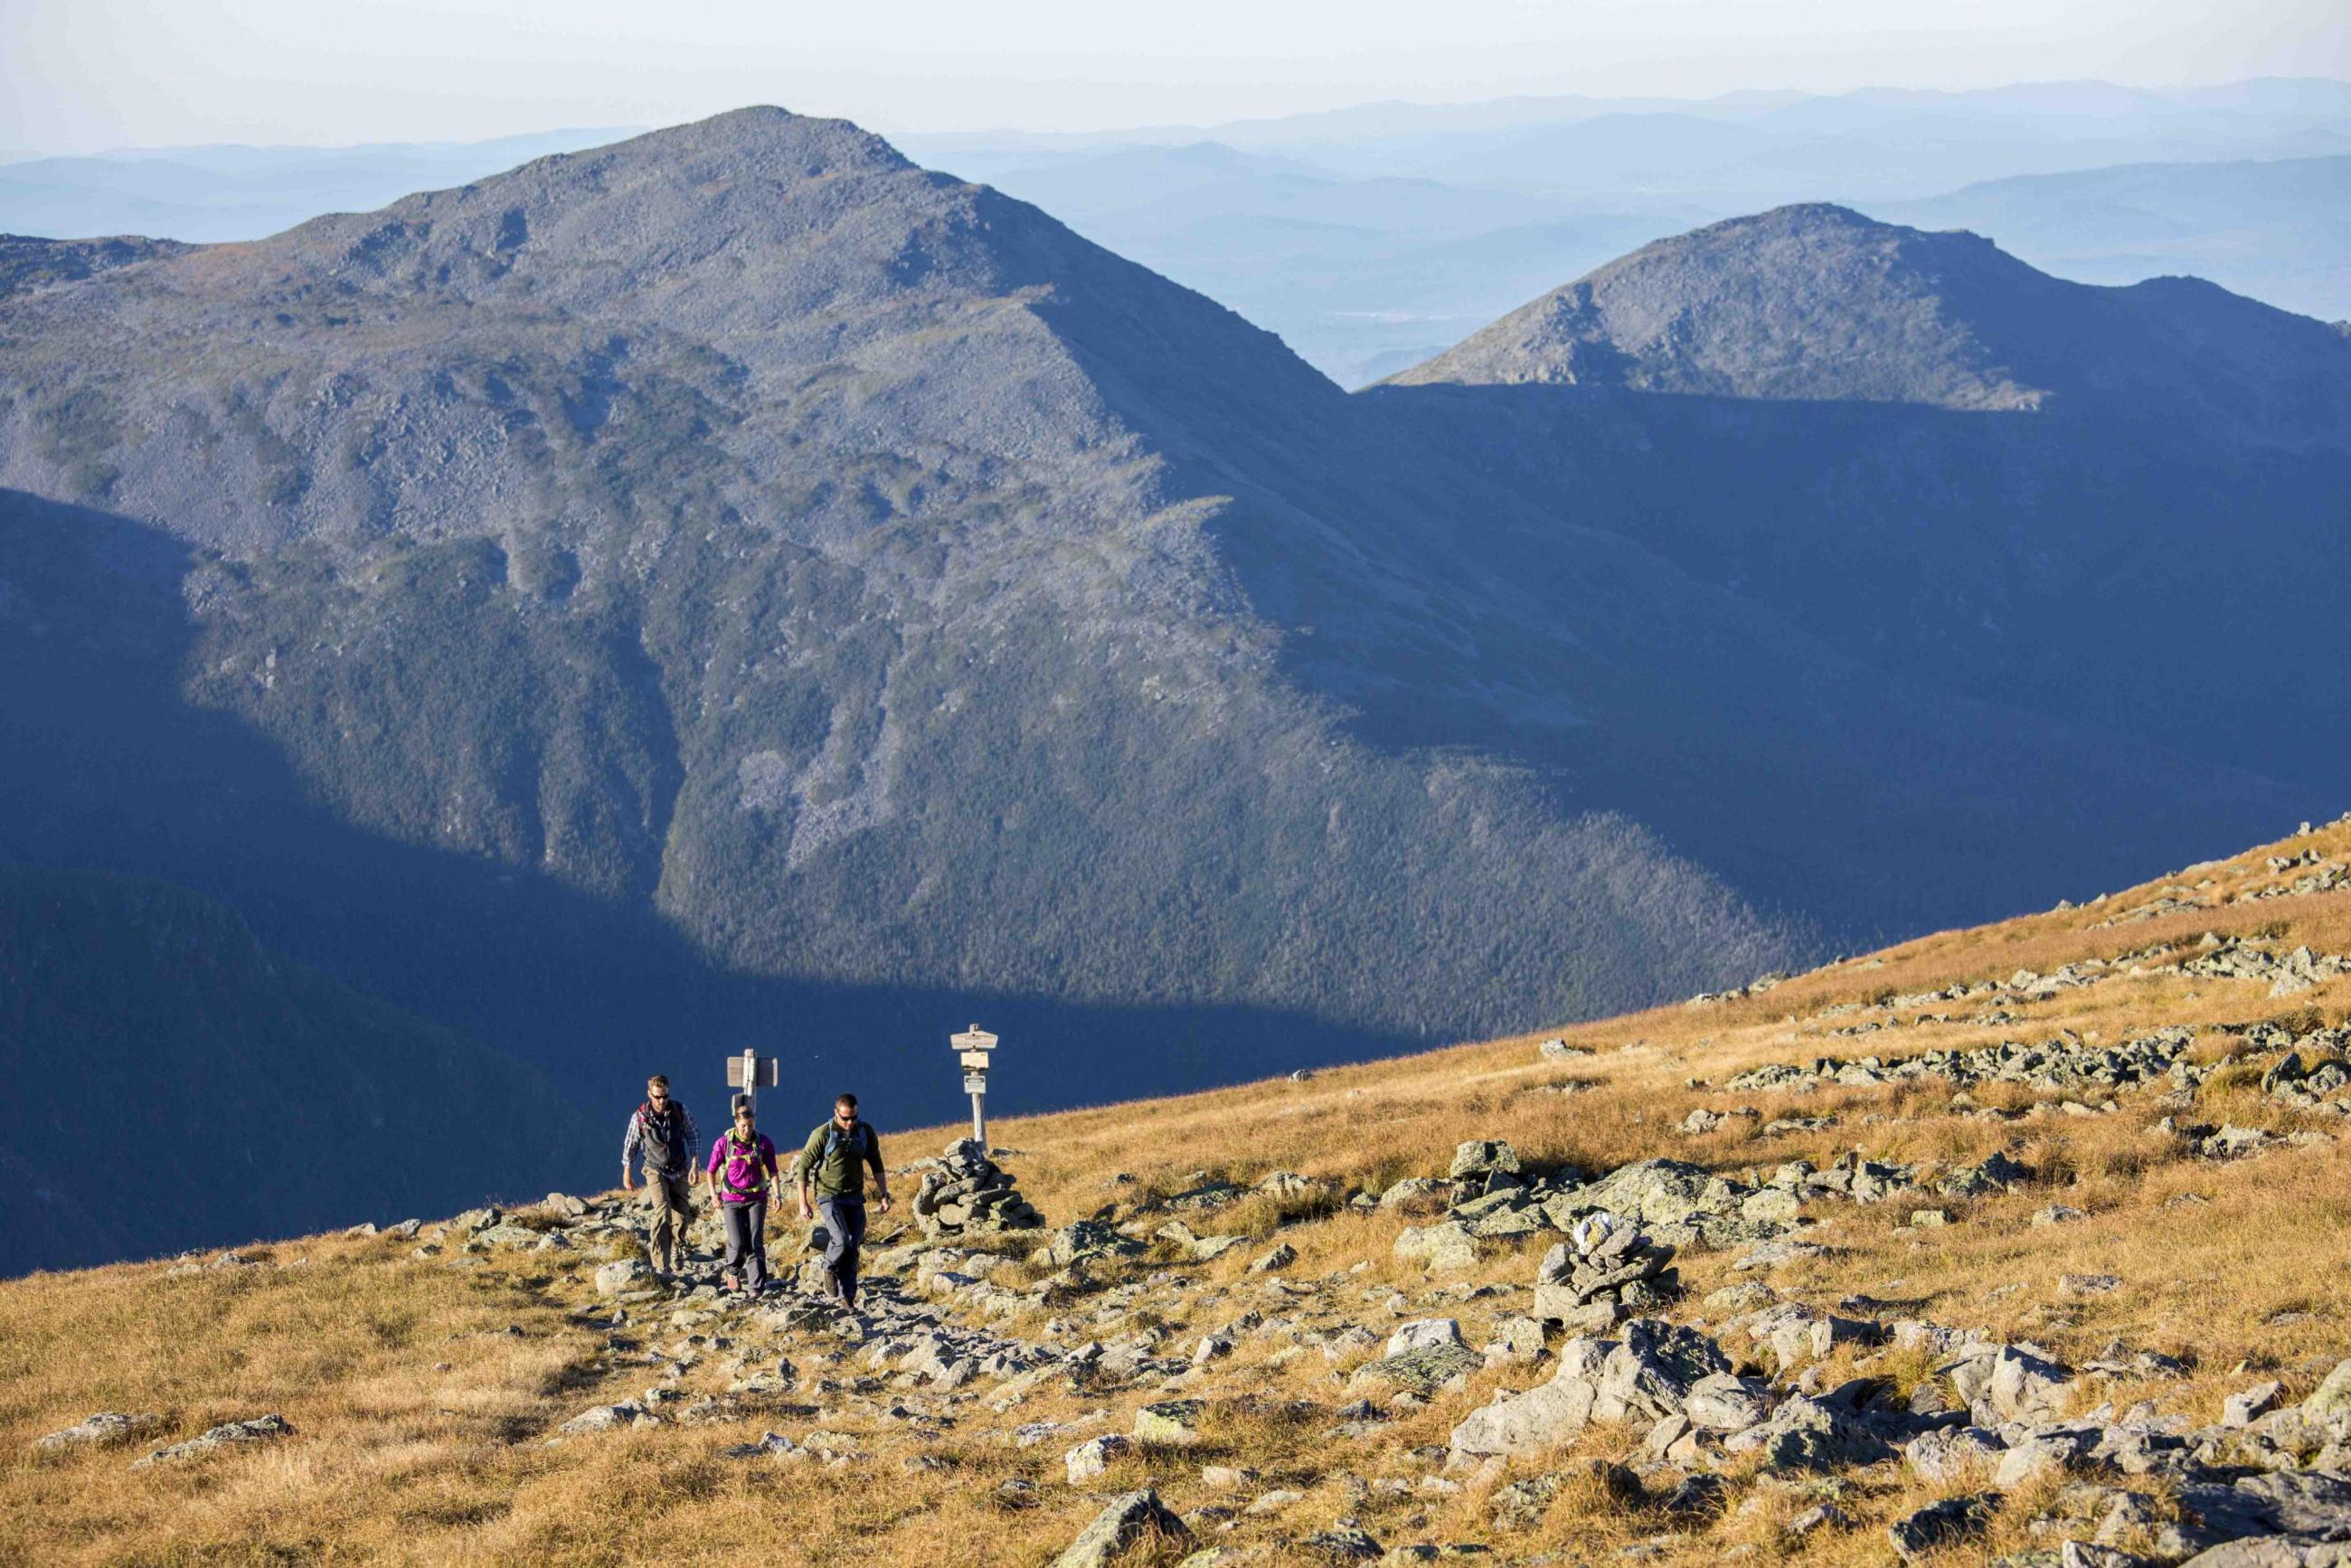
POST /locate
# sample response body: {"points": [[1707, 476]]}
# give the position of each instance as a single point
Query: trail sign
{"points": [[751, 1072], [972, 1048], [761, 1072]]}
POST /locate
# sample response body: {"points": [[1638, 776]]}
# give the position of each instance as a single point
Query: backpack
{"points": [[747, 1168], [833, 1142]]}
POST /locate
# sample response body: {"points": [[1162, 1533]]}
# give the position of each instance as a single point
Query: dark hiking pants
{"points": [[844, 1231], [666, 1217], [746, 1243]]}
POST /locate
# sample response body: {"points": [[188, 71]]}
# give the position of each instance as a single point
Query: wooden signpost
{"points": [[751, 1072], [972, 1048]]}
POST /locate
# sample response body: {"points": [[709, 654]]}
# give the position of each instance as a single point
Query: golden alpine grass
{"points": [[422, 1390]]}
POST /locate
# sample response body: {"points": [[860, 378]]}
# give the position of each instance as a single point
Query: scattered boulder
{"points": [[233, 1434], [1939, 1524], [1174, 1423], [630, 1274], [1129, 1519], [1481, 1157], [103, 1430], [1951, 1453], [1422, 1371], [1087, 1240], [1090, 1458], [1543, 1417], [1445, 1247]]}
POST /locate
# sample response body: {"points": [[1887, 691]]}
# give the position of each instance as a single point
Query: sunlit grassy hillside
{"points": [[423, 1391]]}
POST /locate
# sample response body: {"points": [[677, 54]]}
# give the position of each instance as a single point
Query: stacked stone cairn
{"points": [[967, 1193], [1606, 1273]]}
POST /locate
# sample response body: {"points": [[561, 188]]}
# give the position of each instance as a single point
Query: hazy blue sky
{"points": [[79, 74]]}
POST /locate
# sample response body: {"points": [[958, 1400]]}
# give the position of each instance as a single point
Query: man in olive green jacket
{"points": [[832, 1167]]}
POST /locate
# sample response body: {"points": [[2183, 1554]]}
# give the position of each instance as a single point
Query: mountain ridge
{"points": [[1818, 302], [809, 584]]}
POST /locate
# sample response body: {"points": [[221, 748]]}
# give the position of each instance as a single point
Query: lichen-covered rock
{"points": [[103, 1430], [1174, 1423], [1090, 1458], [1421, 1371], [233, 1434], [1130, 1519]]}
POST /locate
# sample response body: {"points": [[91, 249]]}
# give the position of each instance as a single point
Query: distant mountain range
{"points": [[2278, 231], [737, 586], [1373, 237]]}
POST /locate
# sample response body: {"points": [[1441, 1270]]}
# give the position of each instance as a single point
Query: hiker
{"points": [[742, 1162], [661, 1130], [834, 1163]]}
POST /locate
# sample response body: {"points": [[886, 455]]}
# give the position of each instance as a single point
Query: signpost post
{"points": [[751, 1072], [971, 1048]]}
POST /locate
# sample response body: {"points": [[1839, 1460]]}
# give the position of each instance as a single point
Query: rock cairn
{"points": [[967, 1193], [1607, 1273]]}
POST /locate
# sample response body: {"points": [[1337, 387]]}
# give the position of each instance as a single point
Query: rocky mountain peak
{"points": [[1818, 303]]}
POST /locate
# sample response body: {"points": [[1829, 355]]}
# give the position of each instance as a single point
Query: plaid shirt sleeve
{"points": [[693, 1135], [629, 1142]]}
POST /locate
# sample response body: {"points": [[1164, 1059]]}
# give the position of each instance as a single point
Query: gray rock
{"points": [[1089, 1239], [1174, 1423], [1804, 1433], [233, 1434], [103, 1430], [630, 1274], [2045, 1452], [1281, 1256], [1720, 1402], [1482, 1157], [1543, 1417], [1522, 1504], [1952, 1453], [1421, 1192], [1939, 1524], [2302, 1502], [603, 1418], [1660, 1192], [1131, 1518], [1089, 1460], [1447, 1246], [1651, 1371], [1423, 1371], [2332, 1397], [2242, 1409], [1424, 1333], [1342, 1542], [1820, 1516]]}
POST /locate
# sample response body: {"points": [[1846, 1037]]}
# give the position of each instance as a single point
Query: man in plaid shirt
{"points": [[661, 1130]]}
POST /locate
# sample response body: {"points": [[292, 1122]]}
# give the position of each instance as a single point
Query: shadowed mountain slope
{"points": [[1821, 304], [179, 1085], [724, 583]]}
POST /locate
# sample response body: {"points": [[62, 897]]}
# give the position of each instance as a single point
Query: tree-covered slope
{"points": [[178, 1084]]}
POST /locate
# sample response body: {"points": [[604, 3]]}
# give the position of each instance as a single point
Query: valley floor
{"points": [[2103, 1214]]}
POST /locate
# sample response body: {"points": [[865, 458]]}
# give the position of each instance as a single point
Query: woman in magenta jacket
{"points": [[742, 1165]]}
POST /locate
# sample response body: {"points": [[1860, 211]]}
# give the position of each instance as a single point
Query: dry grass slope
{"points": [[420, 1389]]}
